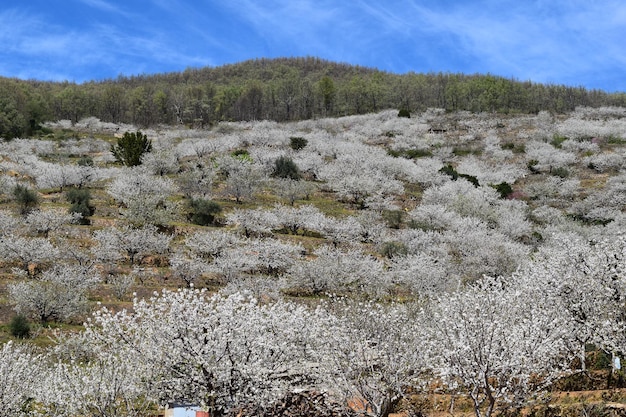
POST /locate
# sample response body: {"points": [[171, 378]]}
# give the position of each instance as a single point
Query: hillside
{"points": [[361, 255], [285, 89]]}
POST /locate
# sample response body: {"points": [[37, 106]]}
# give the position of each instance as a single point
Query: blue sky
{"points": [[572, 42]]}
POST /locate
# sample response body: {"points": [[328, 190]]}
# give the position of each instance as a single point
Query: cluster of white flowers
{"points": [[374, 218], [498, 340]]}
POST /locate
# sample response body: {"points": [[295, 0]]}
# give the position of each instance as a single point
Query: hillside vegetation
{"points": [[368, 257], [285, 89]]}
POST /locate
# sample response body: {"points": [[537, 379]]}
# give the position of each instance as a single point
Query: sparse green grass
{"points": [[517, 148], [557, 140], [327, 204], [464, 151], [410, 153], [615, 140]]}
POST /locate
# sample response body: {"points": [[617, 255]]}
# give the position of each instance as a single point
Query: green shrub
{"points": [[284, 167], [450, 171], [557, 140], [504, 188], [130, 147], [592, 221], [242, 154], [296, 143], [203, 211], [393, 249], [532, 166], [80, 200], [464, 151], [515, 148], [410, 153], [393, 218], [599, 360], [417, 153], [471, 179], [26, 199], [404, 113], [19, 327], [85, 161], [560, 172], [615, 140]]}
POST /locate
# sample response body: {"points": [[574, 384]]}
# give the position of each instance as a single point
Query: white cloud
{"points": [[543, 41], [105, 6], [575, 42]]}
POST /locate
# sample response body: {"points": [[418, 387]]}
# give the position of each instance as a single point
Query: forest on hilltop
{"points": [[284, 89]]}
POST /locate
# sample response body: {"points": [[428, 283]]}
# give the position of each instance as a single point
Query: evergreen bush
{"points": [[203, 212], [26, 198], [241, 154], [130, 147], [532, 166], [284, 167], [393, 249], [560, 172], [19, 327], [404, 113], [80, 200], [296, 142], [504, 189], [393, 218]]}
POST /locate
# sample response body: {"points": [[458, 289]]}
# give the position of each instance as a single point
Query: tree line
{"points": [[276, 89]]}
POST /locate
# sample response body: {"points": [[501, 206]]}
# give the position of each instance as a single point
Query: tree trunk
{"points": [[387, 406], [583, 366]]}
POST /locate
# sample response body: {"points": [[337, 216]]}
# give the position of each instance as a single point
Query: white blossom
{"points": [[20, 372], [131, 243], [59, 294], [492, 343]]}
